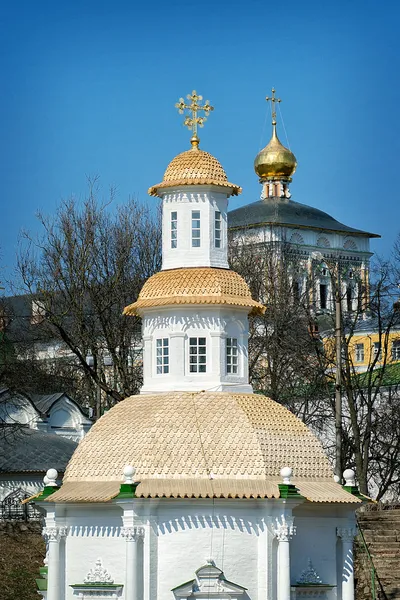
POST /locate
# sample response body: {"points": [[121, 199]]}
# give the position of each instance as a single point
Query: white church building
{"points": [[197, 488]]}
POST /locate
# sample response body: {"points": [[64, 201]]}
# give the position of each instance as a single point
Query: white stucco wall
{"points": [[180, 535], [183, 201], [178, 325]]}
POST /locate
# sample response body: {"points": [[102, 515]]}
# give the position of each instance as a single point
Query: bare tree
{"points": [[88, 264], [284, 346], [295, 365]]}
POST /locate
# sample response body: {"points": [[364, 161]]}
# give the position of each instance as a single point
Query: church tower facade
{"points": [[185, 491], [195, 311]]}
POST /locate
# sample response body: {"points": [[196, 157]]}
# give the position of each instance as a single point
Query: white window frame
{"points": [[359, 353], [232, 356], [196, 230], [162, 356], [218, 229], [197, 354], [396, 350], [378, 350], [174, 229]]}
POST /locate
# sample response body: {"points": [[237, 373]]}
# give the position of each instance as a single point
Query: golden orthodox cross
{"points": [[191, 122], [273, 104]]}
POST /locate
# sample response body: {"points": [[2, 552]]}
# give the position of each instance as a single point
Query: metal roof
{"points": [[290, 214], [25, 450]]}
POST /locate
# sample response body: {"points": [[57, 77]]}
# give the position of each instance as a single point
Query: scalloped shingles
{"points": [[183, 435], [195, 167], [197, 285]]}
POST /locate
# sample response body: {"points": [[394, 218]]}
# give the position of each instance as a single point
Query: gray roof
{"points": [[44, 402], [28, 450], [288, 213]]}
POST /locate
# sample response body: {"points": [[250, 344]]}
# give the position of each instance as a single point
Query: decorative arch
{"points": [[296, 238], [210, 581], [323, 242], [350, 244]]}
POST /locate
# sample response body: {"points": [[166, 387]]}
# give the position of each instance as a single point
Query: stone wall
{"points": [[381, 529]]}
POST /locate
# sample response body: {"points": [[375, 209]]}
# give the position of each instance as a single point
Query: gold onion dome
{"points": [[275, 161], [195, 167]]}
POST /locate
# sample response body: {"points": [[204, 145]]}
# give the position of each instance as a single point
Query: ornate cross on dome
{"points": [[191, 122], [273, 104]]}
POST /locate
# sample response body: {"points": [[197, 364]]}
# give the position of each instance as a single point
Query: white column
{"points": [[284, 531], [347, 569], [134, 562], [53, 535], [177, 355]]}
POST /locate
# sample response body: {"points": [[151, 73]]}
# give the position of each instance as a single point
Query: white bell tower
{"points": [[195, 310]]}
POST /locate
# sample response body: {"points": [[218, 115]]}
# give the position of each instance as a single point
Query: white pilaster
{"points": [[347, 535], [134, 562], [284, 531], [53, 536]]}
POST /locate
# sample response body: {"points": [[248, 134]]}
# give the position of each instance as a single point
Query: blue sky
{"points": [[88, 88]]}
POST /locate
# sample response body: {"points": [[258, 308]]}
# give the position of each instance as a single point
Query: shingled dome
{"points": [[195, 167], [199, 445], [200, 285]]}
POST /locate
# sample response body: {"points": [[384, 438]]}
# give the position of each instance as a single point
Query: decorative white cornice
{"points": [[132, 534], [98, 574], [347, 534], [54, 534], [283, 529]]}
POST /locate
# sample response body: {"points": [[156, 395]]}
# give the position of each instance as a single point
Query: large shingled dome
{"points": [[195, 167], [200, 285], [199, 444]]}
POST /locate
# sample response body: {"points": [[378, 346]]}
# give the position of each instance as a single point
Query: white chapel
{"points": [[197, 488]]}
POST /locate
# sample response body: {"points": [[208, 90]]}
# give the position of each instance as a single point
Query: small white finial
{"points": [[51, 476], [350, 477], [129, 472], [286, 474], [336, 478], [45, 480]]}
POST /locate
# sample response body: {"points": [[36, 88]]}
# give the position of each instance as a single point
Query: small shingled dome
{"points": [[195, 167], [200, 285]]}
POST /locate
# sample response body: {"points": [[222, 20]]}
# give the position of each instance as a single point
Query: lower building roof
{"points": [[24, 450], [278, 211]]}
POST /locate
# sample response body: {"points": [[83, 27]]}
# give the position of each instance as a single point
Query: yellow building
{"points": [[369, 346]]}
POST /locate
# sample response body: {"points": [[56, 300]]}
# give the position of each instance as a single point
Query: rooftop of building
{"points": [[288, 213]]}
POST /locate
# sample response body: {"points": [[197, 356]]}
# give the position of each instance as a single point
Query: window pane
{"points": [[197, 355], [162, 355]]}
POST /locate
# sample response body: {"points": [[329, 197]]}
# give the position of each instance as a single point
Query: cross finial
{"points": [[193, 120], [273, 103]]}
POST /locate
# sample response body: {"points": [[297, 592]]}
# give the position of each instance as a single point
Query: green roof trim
{"points": [[97, 585], [354, 491], [41, 585], [47, 491], [288, 490], [127, 490]]}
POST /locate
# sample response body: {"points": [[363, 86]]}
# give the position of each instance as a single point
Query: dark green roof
{"points": [[391, 375], [288, 213]]}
